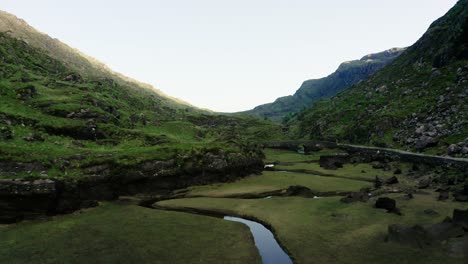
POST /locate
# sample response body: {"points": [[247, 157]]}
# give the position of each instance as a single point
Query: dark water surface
{"points": [[266, 243]]}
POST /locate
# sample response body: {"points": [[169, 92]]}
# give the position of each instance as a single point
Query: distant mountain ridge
{"points": [[347, 74], [419, 102]]}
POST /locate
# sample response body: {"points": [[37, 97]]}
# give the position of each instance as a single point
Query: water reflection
{"points": [[266, 243]]}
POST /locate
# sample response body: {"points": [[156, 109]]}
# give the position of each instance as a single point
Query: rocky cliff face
{"points": [[346, 75], [31, 198], [418, 102]]}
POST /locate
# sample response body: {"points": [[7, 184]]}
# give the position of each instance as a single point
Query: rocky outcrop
{"points": [[74, 77], [334, 161], [11, 168], [27, 92], [88, 132], [298, 190], [461, 148], [25, 199], [21, 199]]}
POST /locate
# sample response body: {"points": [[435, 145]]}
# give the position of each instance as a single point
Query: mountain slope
{"points": [[347, 74], [57, 123], [417, 102], [76, 60]]}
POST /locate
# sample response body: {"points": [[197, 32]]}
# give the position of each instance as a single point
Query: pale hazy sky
{"points": [[229, 55]]}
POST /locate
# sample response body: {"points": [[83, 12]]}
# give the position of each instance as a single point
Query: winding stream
{"points": [[266, 243]]}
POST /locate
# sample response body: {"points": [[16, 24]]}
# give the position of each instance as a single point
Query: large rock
{"points": [[74, 77], [386, 203], [298, 190], [460, 217], [392, 180], [462, 195], [24, 199], [13, 168], [355, 197], [453, 149], [425, 142], [334, 161], [27, 92], [378, 182], [424, 182], [443, 195]]}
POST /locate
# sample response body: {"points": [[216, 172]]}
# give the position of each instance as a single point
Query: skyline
{"points": [[253, 54]]}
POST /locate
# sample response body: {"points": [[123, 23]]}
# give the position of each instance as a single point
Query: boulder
{"points": [[381, 89], [298, 190], [464, 151], [355, 197], [424, 142], [424, 183], [392, 180], [460, 217], [74, 77], [378, 182], [462, 195], [386, 203], [27, 92], [443, 195], [334, 161], [453, 149]]}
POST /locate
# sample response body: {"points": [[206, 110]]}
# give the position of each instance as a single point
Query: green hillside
{"points": [[74, 59], [49, 114], [347, 74], [418, 102]]}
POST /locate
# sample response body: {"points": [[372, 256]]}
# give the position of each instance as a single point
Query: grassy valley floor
{"points": [[113, 233], [321, 230], [326, 230]]}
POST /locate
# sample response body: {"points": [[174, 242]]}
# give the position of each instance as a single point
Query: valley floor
{"points": [[320, 229]]}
